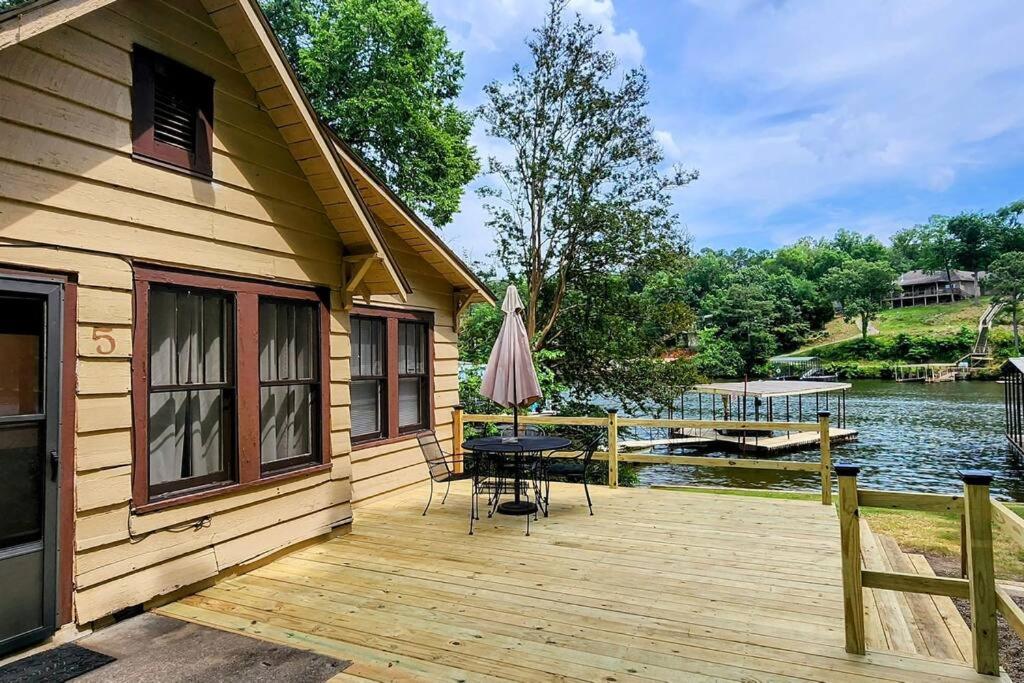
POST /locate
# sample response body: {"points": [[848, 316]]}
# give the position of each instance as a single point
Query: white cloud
{"points": [[668, 144], [494, 25], [837, 97]]}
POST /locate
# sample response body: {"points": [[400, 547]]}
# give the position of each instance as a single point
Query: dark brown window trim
{"points": [[145, 145], [247, 466], [230, 489], [391, 317], [404, 436]]}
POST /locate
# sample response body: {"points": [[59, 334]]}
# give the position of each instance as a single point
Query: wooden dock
{"points": [[657, 585], [776, 443]]}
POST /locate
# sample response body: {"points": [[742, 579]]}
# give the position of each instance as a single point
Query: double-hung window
{"points": [[191, 389], [228, 384], [392, 374]]}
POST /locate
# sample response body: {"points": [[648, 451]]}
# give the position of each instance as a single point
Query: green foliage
{"points": [[585, 186], [1006, 280], [382, 75], [717, 356], [862, 288], [917, 348]]}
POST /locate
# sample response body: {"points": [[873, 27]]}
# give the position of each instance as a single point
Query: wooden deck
{"points": [[657, 585]]}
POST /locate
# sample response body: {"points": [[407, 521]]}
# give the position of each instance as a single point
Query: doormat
{"points": [[54, 666]]}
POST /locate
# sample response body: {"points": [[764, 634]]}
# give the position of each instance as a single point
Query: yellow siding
{"points": [[381, 470], [73, 199]]}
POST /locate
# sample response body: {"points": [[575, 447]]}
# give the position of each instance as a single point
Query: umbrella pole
{"points": [[515, 400]]}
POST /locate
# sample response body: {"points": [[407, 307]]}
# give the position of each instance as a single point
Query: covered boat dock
{"points": [[764, 401]]}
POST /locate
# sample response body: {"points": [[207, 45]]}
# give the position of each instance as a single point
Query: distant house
{"points": [[1013, 385], [920, 287]]}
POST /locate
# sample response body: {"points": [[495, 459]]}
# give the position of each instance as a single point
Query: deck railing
{"points": [[978, 583], [615, 455]]}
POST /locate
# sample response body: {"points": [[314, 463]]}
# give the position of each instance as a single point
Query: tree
{"points": [[746, 314], [862, 288], [582, 193], [976, 238], [1006, 280], [381, 74], [939, 248]]}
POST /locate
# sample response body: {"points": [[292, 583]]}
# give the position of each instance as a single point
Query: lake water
{"points": [[913, 437]]}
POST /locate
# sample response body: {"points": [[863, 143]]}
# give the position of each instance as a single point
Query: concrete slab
{"points": [[151, 647]]}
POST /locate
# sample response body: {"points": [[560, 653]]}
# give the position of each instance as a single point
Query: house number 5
{"points": [[107, 344]]}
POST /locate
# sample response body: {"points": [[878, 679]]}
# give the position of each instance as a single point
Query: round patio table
{"points": [[518, 447]]}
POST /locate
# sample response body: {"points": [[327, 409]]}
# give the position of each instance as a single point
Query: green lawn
{"points": [[922, 532], [941, 319]]}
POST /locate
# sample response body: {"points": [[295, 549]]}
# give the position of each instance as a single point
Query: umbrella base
{"points": [[519, 508]]}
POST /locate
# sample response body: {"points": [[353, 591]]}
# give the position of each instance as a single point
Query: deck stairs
{"points": [[909, 623]]}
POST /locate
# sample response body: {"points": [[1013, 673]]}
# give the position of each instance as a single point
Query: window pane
{"points": [[288, 341], [189, 435], [365, 411], [412, 350], [367, 347], [410, 402], [187, 335], [190, 337], [286, 416], [268, 341], [214, 327], [21, 344], [162, 367], [22, 473], [206, 416], [167, 436], [305, 343]]}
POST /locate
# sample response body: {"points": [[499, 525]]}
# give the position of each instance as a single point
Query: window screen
{"points": [[191, 389], [413, 399], [289, 383], [369, 378]]}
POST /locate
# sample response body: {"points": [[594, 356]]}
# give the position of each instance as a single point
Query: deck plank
{"points": [[657, 585]]}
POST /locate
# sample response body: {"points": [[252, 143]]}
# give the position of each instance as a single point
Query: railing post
{"points": [[826, 458], [458, 436], [613, 448], [981, 570], [849, 533]]}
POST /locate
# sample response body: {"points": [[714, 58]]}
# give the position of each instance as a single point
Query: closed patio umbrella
{"points": [[510, 379]]}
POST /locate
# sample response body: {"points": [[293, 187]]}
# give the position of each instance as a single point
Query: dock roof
{"points": [[765, 388]]}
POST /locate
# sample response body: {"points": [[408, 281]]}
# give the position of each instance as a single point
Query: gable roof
{"points": [[396, 215], [247, 34], [1017, 363], [924, 277]]}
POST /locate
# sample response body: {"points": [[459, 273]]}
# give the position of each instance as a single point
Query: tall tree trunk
{"points": [[864, 326], [977, 286]]}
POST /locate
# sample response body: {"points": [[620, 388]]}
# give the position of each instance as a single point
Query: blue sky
{"points": [[802, 117]]}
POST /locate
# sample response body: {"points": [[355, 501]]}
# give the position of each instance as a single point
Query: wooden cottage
{"points": [[220, 332], [1013, 386]]}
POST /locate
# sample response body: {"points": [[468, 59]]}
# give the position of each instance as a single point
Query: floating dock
{"points": [[772, 442]]}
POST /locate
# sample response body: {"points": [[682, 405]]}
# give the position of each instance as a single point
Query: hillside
{"points": [[936, 320]]}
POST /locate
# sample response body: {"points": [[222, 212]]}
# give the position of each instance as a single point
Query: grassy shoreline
{"points": [[930, 533]]}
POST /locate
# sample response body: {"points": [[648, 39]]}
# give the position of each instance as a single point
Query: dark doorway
{"points": [[30, 354]]}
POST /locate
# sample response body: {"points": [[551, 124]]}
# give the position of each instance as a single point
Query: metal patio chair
{"points": [[441, 466], [572, 469]]}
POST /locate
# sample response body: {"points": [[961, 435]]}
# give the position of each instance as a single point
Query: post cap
{"points": [[824, 413], [613, 410], [845, 469], [976, 477], [458, 406]]}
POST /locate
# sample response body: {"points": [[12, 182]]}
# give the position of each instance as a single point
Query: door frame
{"points": [[61, 290]]}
